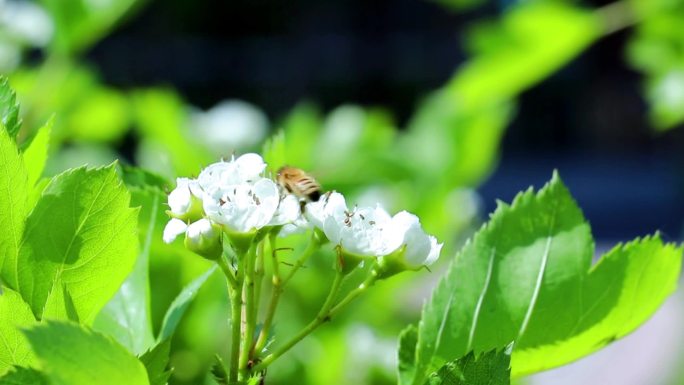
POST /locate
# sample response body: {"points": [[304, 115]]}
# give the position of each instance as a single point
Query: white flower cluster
{"points": [[236, 198]]}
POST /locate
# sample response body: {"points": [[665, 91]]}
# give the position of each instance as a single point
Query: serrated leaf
{"points": [[408, 339], [81, 234], [60, 304], [70, 354], [156, 361], [9, 108], [14, 191], [180, 305], [127, 316], [526, 276], [491, 368], [35, 155], [24, 376], [14, 315]]}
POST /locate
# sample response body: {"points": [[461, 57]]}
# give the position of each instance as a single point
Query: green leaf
{"points": [[536, 40], [70, 354], [9, 108], [81, 23], [81, 234], [491, 368], [526, 276], [135, 177], [408, 339], [35, 155], [14, 191], [24, 376], [219, 372], [14, 314], [180, 305], [156, 361], [104, 116], [126, 317], [60, 304]]}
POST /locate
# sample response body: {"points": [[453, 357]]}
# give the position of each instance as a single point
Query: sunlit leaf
{"points": [[14, 315], [527, 277], [70, 354], [14, 191], [126, 317], [81, 233]]}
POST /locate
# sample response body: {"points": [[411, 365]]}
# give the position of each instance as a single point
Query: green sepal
{"points": [[195, 212], [240, 242], [346, 262], [209, 248]]}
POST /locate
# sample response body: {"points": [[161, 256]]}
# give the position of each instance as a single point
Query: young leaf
{"points": [[156, 361], [180, 305], [9, 108], [491, 368], [126, 317], [526, 276], [24, 376], [70, 354], [407, 354], [14, 191], [14, 314], [81, 233], [35, 155]]}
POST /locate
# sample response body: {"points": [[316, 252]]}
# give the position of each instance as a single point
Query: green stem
{"points": [[249, 313], [352, 295], [279, 286], [235, 322], [322, 317], [258, 277]]}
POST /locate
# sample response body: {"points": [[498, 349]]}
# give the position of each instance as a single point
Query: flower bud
{"points": [[204, 238], [185, 201]]}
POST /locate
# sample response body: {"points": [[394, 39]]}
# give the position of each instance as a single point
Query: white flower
{"points": [[244, 207], [288, 211], [330, 204], [363, 231], [173, 229], [421, 249], [201, 237], [221, 176], [185, 198]]}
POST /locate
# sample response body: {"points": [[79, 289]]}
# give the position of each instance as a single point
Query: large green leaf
{"points": [[14, 314], [9, 109], [70, 354], [180, 305], [491, 368], [534, 40], [14, 191], [81, 234], [23, 376], [126, 317], [526, 276]]}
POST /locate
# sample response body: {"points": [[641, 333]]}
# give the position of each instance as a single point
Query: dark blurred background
{"points": [[589, 120]]}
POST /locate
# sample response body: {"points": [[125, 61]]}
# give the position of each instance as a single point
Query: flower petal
{"points": [[173, 229]]}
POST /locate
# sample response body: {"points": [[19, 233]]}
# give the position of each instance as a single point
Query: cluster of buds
{"points": [[237, 199]]}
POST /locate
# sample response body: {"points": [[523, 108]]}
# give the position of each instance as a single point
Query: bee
{"points": [[299, 183]]}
